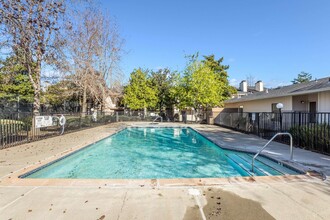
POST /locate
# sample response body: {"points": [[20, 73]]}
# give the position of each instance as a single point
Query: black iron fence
{"points": [[20, 127], [310, 131]]}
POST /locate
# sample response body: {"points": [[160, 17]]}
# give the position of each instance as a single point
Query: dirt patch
{"points": [[226, 205]]}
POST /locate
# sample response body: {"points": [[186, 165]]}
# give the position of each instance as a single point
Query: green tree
{"points": [[14, 81], [302, 78], [204, 84], [216, 66], [163, 80], [221, 72], [139, 93], [64, 91], [201, 87]]}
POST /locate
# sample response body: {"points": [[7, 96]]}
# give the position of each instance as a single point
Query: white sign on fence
{"points": [[43, 121]]}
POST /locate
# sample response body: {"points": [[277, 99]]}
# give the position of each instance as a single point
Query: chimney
{"points": [[243, 86], [259, 86]]}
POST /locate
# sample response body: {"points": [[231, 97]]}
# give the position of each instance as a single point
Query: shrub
{"points": [[313, 137], [9, 127]]}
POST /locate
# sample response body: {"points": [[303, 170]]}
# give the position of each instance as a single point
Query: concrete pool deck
{"points": [[290, 197]]}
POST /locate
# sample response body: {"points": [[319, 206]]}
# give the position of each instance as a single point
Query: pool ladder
{"points": [[161, 119], [278, 134]]}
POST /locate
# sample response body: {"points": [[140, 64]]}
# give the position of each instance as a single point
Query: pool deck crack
{"points": [[18, 198], [122, 206]]}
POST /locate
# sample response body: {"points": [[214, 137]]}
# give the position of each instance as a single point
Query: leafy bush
{"points": [[313, 137], [8, 126], [76, 122], [72, 122], [9, 122]]}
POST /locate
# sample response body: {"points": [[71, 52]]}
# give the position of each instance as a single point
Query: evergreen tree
{"points": [[64, 91], [14, 81], [302, 78], [221, 72]]}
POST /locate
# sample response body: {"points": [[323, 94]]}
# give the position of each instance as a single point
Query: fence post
{"points": [[27, 129], [117, 117], [32, 131], [258, 124], [1, 134]]}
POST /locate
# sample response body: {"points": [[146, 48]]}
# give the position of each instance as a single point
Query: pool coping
{"points": [[17, 178]]}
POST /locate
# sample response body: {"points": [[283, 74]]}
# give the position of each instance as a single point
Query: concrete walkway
{"points": [[236, 198]]}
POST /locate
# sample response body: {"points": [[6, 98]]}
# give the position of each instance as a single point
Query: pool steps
{"points": [[242, 164], [263, 166], [266, 167], [276, 166]]}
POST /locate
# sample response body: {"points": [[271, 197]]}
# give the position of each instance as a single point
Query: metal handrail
{"points": [[161, 118], [291, 147]]}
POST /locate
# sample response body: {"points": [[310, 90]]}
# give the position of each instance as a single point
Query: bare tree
{"points": [[93, 53], [250, 80], [30, 29], [109, 57]]}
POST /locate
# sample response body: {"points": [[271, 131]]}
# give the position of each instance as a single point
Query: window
{"points": [[274, 109]]}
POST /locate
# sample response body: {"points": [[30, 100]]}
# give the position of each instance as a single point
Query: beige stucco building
{"points": [[313, 96]]}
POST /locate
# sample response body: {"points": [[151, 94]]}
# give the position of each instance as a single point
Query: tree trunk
{"points": [[36, 87], [84, 102], [104, 97], [36, 98]]}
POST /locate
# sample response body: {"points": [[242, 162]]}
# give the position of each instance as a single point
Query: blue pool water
{"points": [[144, 153]]}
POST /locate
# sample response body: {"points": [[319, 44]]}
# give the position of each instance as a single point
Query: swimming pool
{"points": [[152, 152]]}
